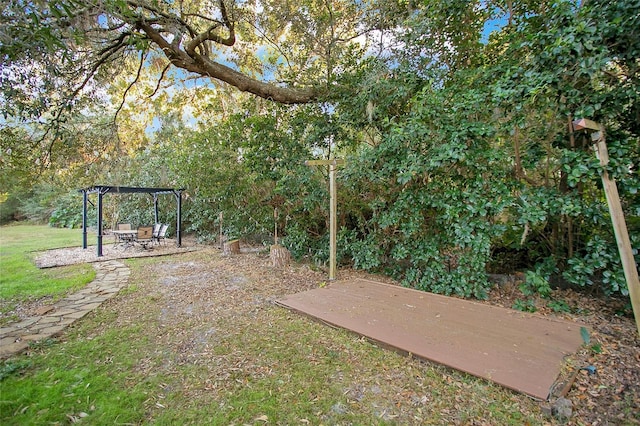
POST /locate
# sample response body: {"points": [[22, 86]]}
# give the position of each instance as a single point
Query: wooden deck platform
{"points": [[520, 351]]}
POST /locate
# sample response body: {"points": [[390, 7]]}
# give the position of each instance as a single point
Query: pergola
{"points": [[102, 190]]}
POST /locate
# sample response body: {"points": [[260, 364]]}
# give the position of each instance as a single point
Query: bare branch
{"points": [[135, 80], [272, 42], [164, 71]]}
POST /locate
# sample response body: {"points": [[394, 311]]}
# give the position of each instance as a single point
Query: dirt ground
{"points": [[611, 395]]}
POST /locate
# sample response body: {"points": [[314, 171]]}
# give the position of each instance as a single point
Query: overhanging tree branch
{"points": [[204, 66], [135, 80]]}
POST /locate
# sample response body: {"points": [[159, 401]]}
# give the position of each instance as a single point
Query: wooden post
{"points": [[620, 230], [617, 217], [333, 227], [275, 230], [333, 209], [221, 233]]}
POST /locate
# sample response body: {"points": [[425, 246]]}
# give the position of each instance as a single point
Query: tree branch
{"points": [[135, 80], [164, 71], [209, 35], [204, 66]]}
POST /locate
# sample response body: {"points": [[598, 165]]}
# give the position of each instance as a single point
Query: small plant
{"points": [[559, 306], [586, 337], [528, 305], [11, 367], [537, 282], [42, 344], [596, 348]]}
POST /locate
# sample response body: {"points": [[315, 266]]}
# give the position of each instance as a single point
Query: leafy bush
{"points": [[598, 266], [67, 212], [537, 282]]}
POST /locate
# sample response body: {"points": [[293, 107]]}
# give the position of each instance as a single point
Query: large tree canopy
{"points": [[279, 50], [460, 159]]}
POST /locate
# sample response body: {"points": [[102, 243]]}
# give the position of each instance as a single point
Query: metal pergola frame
{"points": [[101, 190]]}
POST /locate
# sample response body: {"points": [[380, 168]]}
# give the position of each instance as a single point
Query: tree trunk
{"points": [[231, 247], [280, 256]]}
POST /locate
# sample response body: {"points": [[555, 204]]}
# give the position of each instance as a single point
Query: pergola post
{"points": [[84, 219], [100, 223], [178, 195], [155, 208]]}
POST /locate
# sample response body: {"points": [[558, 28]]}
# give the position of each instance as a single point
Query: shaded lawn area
{"points": [[21, 281], [196, 338]]}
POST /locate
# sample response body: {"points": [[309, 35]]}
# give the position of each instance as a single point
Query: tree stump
{"points": [[231, 247], [280, 256]]}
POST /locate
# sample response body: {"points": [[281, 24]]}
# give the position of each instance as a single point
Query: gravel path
{"points": [[74, 255]]}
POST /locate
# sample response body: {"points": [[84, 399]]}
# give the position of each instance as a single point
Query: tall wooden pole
{"points": [[622, 234], [220, 215], [333, 228], [617, 217], [333, 210], [275, 225]]}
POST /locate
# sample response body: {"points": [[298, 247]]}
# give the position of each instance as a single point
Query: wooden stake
{"points": [[619, 227], [333, 209], [275, 221], [221, 242]]}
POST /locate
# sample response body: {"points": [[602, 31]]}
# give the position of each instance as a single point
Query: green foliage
{"points": [[13, 367], [536, 282], [9, 208], [241, 168], [424, 188], [527, 305], [596, 348], [598, 266], [458, 148], [68, 212], [559, 306]]}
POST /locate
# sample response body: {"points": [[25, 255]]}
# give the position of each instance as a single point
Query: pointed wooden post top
{"points": [[585, 124]]}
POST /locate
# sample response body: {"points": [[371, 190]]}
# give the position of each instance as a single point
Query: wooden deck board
{"points": [[520, 351]]}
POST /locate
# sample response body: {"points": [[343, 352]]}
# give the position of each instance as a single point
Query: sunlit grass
{"points": [[21, 280], [126, 364], [92, 380]]}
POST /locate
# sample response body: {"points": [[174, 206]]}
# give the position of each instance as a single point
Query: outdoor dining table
{"points": [[125, 236]]}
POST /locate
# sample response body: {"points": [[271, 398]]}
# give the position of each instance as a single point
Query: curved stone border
{"points": [[111, 277]]}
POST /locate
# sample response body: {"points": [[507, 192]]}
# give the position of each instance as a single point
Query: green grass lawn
{"points": [[138, 360], [21, 280], [284, 370]]}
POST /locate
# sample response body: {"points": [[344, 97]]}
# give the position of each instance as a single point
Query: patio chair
{"points": [[162, 234], [156, 230], [144, 236]]}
